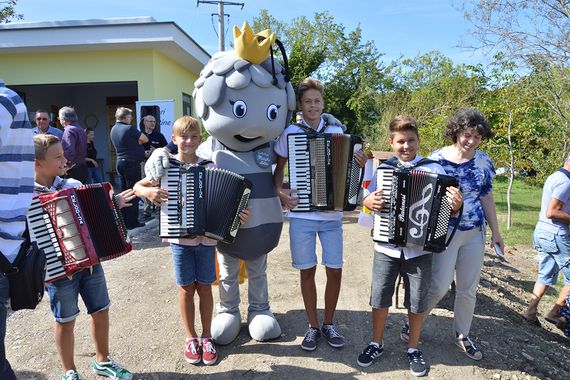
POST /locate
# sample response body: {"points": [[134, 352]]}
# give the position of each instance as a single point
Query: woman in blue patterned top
{"points": [[464, 257]]}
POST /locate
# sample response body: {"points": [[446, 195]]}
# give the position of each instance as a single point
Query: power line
{"points": [[221, 32]]}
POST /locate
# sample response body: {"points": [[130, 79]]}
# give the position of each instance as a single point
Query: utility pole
{"points": [[220, 14]]}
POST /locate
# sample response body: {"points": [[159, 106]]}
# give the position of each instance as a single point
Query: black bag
{"points": [[26, 275]]}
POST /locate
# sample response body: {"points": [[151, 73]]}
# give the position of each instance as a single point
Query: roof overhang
{"points": [[104, 34]]}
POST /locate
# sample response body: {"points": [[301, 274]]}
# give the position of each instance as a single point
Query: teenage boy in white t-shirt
{"points": [[304, 227]]}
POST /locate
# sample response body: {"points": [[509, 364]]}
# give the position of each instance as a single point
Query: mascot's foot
{"points": [[225, 327], [263, 326]]}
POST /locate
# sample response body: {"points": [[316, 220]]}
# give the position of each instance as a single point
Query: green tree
{"points": [[8, 11], [349, 67]]}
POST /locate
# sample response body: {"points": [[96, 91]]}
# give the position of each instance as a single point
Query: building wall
{"points": [[158, 77], [170, 81]]}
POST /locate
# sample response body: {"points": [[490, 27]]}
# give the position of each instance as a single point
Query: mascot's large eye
{"points": [[272, 112], [239, 108]]}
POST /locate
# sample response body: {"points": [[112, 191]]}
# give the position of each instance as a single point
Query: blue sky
{"points": [[405, 28]]}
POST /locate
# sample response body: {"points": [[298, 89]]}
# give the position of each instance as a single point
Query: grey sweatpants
{"points": [[463, 258]]}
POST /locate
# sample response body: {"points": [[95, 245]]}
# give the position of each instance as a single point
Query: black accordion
{"points": [[202, 201], [323, 170], [417, 212]]}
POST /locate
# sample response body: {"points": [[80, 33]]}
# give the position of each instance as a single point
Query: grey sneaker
{"points": [[418, 365], [333, 337], [112, 370], [311, 338], [370, 353]]}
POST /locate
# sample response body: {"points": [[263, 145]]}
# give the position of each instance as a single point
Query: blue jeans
{"points": [[64, 294], [6, 372], [553, 255], [194, 264], [93, 175]]}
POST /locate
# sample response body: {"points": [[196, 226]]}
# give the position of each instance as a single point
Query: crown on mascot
{"points": [[248, 46]]}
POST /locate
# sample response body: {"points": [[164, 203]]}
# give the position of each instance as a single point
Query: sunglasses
{"points": [[41, 118]]}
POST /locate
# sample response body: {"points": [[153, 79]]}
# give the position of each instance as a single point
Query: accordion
{"points": [[323, 170], [76, 228], [416, 211], [202, 201]]}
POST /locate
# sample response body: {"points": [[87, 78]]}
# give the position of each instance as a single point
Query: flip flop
{"points": [[534, 322]]}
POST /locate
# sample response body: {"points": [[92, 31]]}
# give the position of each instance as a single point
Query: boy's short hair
{"points": [[467, 118], [310, 84], [185, 124], [42, 142], [403, 123]]}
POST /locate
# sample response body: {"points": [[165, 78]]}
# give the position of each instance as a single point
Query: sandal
{"points": [[468, 347], [534, 322]]}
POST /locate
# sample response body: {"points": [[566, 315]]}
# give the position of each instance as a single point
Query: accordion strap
{"points": [[45, 190], [394, 162]]}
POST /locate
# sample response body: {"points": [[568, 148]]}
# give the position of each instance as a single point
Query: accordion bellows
{"points": [[202, 201]]}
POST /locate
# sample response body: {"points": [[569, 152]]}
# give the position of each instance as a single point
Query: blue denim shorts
{"points": [[303, 239], [90, 284], [553, 256], [194, 263]]}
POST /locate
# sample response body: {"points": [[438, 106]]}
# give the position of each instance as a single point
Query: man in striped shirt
{"points": [[16, 190]]}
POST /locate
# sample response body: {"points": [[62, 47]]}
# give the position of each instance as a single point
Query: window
{"points": [[186, 104]]}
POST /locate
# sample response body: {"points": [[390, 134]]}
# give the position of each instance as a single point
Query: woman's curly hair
{"points": [[464, 119]]}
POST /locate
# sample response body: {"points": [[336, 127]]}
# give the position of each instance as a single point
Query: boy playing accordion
{"points": [[414, 265]]}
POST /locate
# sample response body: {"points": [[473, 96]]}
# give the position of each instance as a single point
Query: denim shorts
{"points": [[89, 283], [303, 240], [416, 274], [194, 263], [553, 256]]}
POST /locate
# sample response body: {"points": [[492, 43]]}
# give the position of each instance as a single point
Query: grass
{"points": [[525, 207]]}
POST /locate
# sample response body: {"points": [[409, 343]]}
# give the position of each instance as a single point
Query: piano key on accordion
{"points": [[75, 228], [202, 201], [323, 170], [416, 212]]}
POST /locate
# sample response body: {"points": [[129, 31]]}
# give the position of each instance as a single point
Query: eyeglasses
{"points": [[42, 118]]}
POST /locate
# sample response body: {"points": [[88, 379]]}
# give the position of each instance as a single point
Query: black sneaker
{"points": [[370, 353], [418, 365], [311, 338], [333, 337]]}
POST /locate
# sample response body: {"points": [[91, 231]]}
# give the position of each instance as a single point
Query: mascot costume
{"points": [[245, 101]]}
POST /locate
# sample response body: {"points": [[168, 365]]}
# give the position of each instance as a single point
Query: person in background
{"points": [[155, 140], [74, 142], [552, 242], [91, 159], [128, 142], [43, 126]]}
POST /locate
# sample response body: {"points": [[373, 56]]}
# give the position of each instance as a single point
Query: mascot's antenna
{"points": [[221, 33]]}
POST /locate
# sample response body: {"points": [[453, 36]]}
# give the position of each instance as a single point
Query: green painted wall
{"points": [[158, 76]]}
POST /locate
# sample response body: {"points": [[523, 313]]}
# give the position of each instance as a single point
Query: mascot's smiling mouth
{"points": [[246, 139]]}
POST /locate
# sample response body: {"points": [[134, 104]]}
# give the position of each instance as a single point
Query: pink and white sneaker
{"points": [[192, 351], [209, 354]]}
